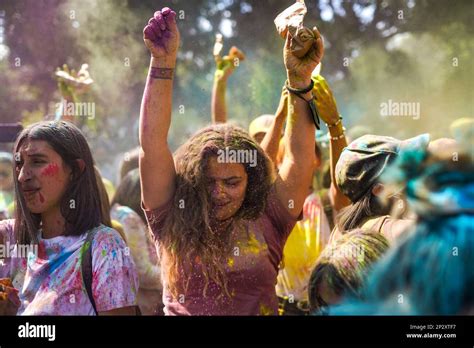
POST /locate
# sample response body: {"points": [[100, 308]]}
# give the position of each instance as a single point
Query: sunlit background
{"points": [[416, 51]]}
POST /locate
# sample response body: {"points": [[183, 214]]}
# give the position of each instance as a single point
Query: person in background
{"points": [[129, 162], [342, 268], [105, 206], [429, 271], [357, 175], [127, 211], [261, 125]]}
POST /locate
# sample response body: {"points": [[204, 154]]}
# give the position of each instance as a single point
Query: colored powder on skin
{"points": [[41, 197], [146, 100], [50, 170], [230, 262]]}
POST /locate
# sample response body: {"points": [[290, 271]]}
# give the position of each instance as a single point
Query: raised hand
{"points": [[299, 69], [226, 65], [161, 36], [325, 100], [72, 84]]}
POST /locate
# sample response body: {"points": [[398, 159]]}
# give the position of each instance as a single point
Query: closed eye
{"points": [[232, 183]]}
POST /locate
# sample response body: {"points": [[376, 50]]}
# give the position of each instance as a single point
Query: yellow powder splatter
{"points": [[253, 245], [265, 310], [230, 262]]}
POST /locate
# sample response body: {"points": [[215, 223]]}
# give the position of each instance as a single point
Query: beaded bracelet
{"points": [[335, 124], [339, 137]]}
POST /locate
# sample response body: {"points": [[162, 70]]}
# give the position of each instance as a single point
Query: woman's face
{"points": [[227, 184], [42, 176]]}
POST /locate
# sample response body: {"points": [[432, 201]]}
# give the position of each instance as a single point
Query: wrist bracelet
{"points": [[339, 137], [299, 91], [161, 73], [335, 124], [313, 109]]}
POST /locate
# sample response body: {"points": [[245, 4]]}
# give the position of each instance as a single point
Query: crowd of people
{"points": [[277, 220]]}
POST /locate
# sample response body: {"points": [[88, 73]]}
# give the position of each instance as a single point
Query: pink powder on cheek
{"points": [[50, 170]]}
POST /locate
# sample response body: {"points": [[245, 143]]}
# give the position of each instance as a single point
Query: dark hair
{"points": [[68, 141], [367, 206], [342, 269], [128, 193]]}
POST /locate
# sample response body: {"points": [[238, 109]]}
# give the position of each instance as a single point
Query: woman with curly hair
{"points": [[218, 213]]}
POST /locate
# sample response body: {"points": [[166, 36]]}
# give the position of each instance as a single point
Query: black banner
{"points": [[428, 331]]}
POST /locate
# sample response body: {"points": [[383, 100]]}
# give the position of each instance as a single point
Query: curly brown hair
{"points": [[188, 232]]}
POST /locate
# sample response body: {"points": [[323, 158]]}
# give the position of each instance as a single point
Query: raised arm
{"points": [[271, 141], [294, 178], [72, 85], [157, 171], [225, 66], [328, 111]]}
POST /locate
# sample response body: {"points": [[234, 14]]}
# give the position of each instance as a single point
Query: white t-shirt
{"points": [[53, 283]]}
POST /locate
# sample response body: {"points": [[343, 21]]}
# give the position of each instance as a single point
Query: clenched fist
{"points": [[299, 69], [161, 36]]}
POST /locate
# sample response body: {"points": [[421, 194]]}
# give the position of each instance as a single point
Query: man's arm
{"points": [[157, 171]]}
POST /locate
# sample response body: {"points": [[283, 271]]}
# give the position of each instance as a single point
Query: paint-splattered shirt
{"points": [[251, 268], [52, 278]]}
